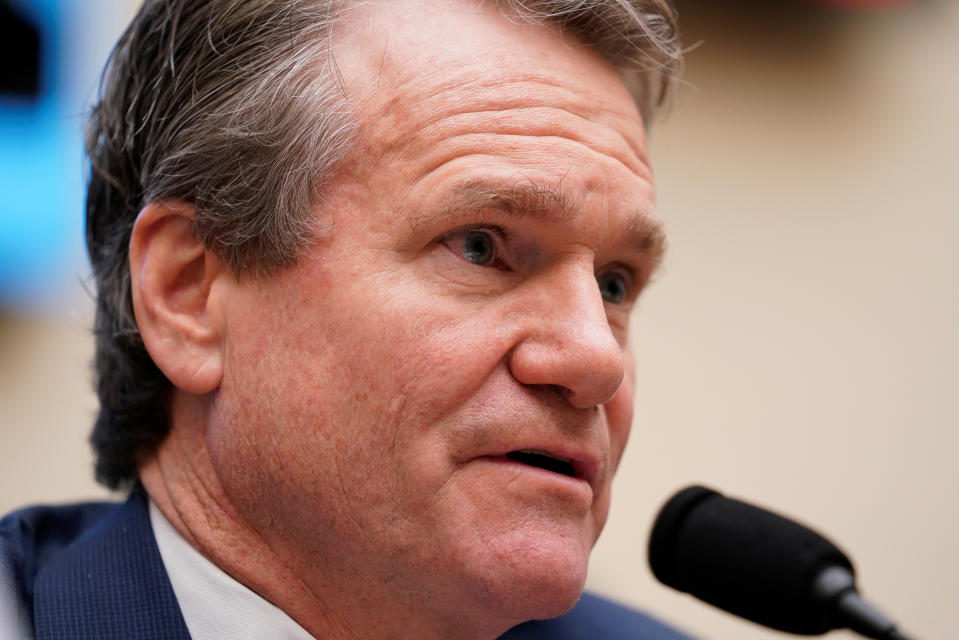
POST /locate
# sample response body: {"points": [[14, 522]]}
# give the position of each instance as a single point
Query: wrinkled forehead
{"points": [[421, 60]]}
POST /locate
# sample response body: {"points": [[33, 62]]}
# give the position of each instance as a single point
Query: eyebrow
{"points": [[647, 234], [644, 233], [522, 199]]}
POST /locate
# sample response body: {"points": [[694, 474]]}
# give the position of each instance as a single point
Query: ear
{"points": [[171, 277]]}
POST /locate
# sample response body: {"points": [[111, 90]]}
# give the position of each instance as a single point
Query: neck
{"points": [[330, 599]]}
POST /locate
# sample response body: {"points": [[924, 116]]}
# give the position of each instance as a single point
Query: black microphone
{"points": [[760, 566]]}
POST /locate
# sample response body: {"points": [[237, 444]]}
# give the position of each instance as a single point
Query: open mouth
{"points": [[543, 460]]}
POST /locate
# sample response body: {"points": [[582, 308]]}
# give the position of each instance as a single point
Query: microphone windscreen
{"points": [[748, 561]]}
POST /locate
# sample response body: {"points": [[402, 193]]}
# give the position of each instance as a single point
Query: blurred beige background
{"points": [[800, 348]]}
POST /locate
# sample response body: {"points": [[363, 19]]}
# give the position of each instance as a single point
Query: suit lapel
{"points": [[109, 585]]}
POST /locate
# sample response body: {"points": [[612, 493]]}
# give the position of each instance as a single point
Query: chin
{"points": [[536, 582]]}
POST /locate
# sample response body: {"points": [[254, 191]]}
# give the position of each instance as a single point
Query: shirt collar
{"points": [[214, 605]]}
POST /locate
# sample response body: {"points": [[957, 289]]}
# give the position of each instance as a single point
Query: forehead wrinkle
{"points": [[519, 89], [426, 102], [459, 147]]}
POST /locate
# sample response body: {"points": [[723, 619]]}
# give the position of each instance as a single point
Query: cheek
{"points": [[351, 385], [434, 352]]}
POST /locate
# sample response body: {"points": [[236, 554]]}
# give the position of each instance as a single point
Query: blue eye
{"points": [[612, 286], [478, 247]]}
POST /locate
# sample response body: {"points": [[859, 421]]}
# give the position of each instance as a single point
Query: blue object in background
{"points": [[42, 256]]}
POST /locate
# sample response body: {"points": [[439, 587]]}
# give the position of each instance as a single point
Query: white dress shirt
{"points": [[214, 605]]}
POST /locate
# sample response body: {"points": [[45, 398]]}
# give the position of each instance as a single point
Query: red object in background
{"points": [[865, 4]]}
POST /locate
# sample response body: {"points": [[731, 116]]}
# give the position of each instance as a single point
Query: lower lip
{"points": [[550, 480]]}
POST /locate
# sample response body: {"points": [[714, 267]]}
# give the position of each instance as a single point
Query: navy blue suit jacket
{"points": [[93, 572]]}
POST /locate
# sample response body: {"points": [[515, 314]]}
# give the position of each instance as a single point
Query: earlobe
{"points": [[172, 277]]}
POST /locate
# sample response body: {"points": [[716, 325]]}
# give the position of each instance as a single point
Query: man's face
{"points": [[436, 397]]}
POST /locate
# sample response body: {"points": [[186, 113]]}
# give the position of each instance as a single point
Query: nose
{"points": [[567, 341]]}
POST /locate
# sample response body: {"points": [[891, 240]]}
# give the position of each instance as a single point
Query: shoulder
{"points": [[39, 533], [596, 617], [29, 540], [33, 537], [88, 571]]}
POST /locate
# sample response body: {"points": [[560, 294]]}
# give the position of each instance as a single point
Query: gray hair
{"points": [[234, 106]]}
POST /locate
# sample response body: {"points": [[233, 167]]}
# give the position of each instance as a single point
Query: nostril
{"points": [[551, 392], [558, 390]]}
